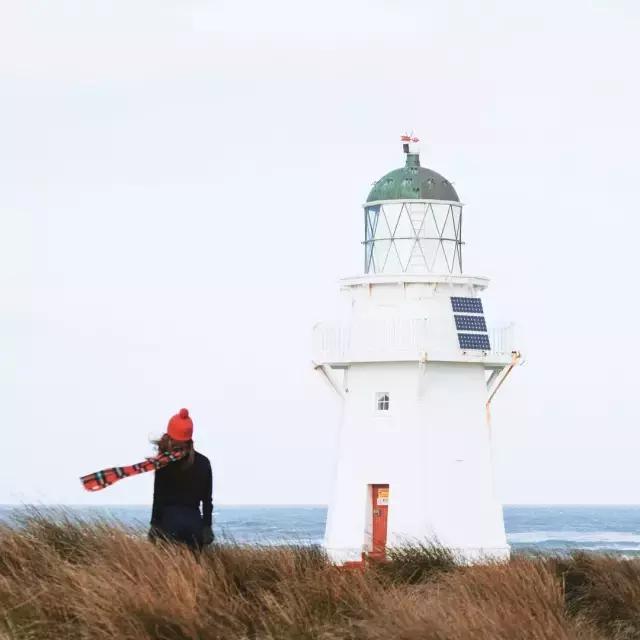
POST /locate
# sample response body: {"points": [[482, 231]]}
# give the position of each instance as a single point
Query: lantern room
{"points": [[413, 222]]}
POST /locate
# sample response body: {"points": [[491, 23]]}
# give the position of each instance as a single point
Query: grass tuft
{"points": [[62, 578], [418, 562], [605, 586]]}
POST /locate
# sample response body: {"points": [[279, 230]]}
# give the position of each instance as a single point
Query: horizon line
{"points": [[305, 504]]}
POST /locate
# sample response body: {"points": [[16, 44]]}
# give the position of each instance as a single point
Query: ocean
{"points": [[614, 529]]}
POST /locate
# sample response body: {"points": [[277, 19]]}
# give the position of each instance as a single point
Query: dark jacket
{"points": [[178, 492]]}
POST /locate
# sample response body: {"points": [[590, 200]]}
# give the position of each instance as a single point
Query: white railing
{"points": [[369, 340], [405, 339], [502, 339]]}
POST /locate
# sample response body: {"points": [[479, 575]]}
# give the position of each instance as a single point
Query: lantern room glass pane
{"points": [[449, 251], [456, 211], [429, 229], [368, 253], [404, 229], [393, 261], [371, 221], [417, 262], [440, 213], [380, 251], [417, 212], [429, 250], [448, 230], [392, 213], [404, 247]]}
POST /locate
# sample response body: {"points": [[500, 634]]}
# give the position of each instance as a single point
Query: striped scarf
{"points": [[106, 477]]}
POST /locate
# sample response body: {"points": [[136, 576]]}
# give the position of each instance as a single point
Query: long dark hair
{"points": [[166, 443]]}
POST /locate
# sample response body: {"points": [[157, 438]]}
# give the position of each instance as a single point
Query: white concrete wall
{"points": [[433, 447]]}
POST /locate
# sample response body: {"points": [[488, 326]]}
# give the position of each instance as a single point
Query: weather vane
{"points": [[406, 138]]}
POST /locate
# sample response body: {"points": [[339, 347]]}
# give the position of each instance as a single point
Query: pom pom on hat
{"points": [[180, 426]]}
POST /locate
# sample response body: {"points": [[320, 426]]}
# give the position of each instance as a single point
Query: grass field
{"points": [[72, 580]]}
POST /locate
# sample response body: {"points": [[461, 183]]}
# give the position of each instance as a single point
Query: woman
{"points": [[181, 487]]}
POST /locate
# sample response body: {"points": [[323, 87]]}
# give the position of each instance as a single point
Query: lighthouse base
{"points": [[469, 555]]}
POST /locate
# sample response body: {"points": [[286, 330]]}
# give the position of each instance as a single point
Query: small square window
{"points": [[382, 401]]}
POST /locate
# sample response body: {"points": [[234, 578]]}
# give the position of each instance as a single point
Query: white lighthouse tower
{"points": [[416, 367]]}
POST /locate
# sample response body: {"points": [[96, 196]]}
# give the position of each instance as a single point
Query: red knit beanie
{"points": [[180, 426]]}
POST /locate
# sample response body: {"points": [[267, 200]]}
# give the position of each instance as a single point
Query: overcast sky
{"points": [[180, 191]]}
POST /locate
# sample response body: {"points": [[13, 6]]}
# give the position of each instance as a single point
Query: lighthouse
{"points": [[415, 366]]}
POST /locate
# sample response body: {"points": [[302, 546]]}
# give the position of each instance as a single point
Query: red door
{"points": [[380, 508]]}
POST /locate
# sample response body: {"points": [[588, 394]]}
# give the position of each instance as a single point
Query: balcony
{"points": [[404, 340]]}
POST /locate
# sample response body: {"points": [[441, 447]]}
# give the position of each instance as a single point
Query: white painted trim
{"points": [[481, 282], [330, 378], [487, 358], [412, 201]]}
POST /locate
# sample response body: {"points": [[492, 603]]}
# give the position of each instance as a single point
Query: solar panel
{"points": [[467, 305], [470, 323], [474, 341]]}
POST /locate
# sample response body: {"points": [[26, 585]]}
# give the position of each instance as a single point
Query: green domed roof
{"points": [[413, 182]]}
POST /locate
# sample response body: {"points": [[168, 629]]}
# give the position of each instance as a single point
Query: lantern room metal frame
{"points": [[413, 236]]}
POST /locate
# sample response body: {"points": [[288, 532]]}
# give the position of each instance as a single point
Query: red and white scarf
{"points": [[106, 477]]}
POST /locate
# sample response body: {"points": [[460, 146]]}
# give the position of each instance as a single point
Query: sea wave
{"points": [[568, 537]]}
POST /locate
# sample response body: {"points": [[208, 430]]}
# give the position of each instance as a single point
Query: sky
{"points": [[180, 193]]}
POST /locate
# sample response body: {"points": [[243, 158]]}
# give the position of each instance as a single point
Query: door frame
{"points": [[369, 522]]}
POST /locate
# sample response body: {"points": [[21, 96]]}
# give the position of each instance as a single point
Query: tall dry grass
{"points": [[68, 579]]}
